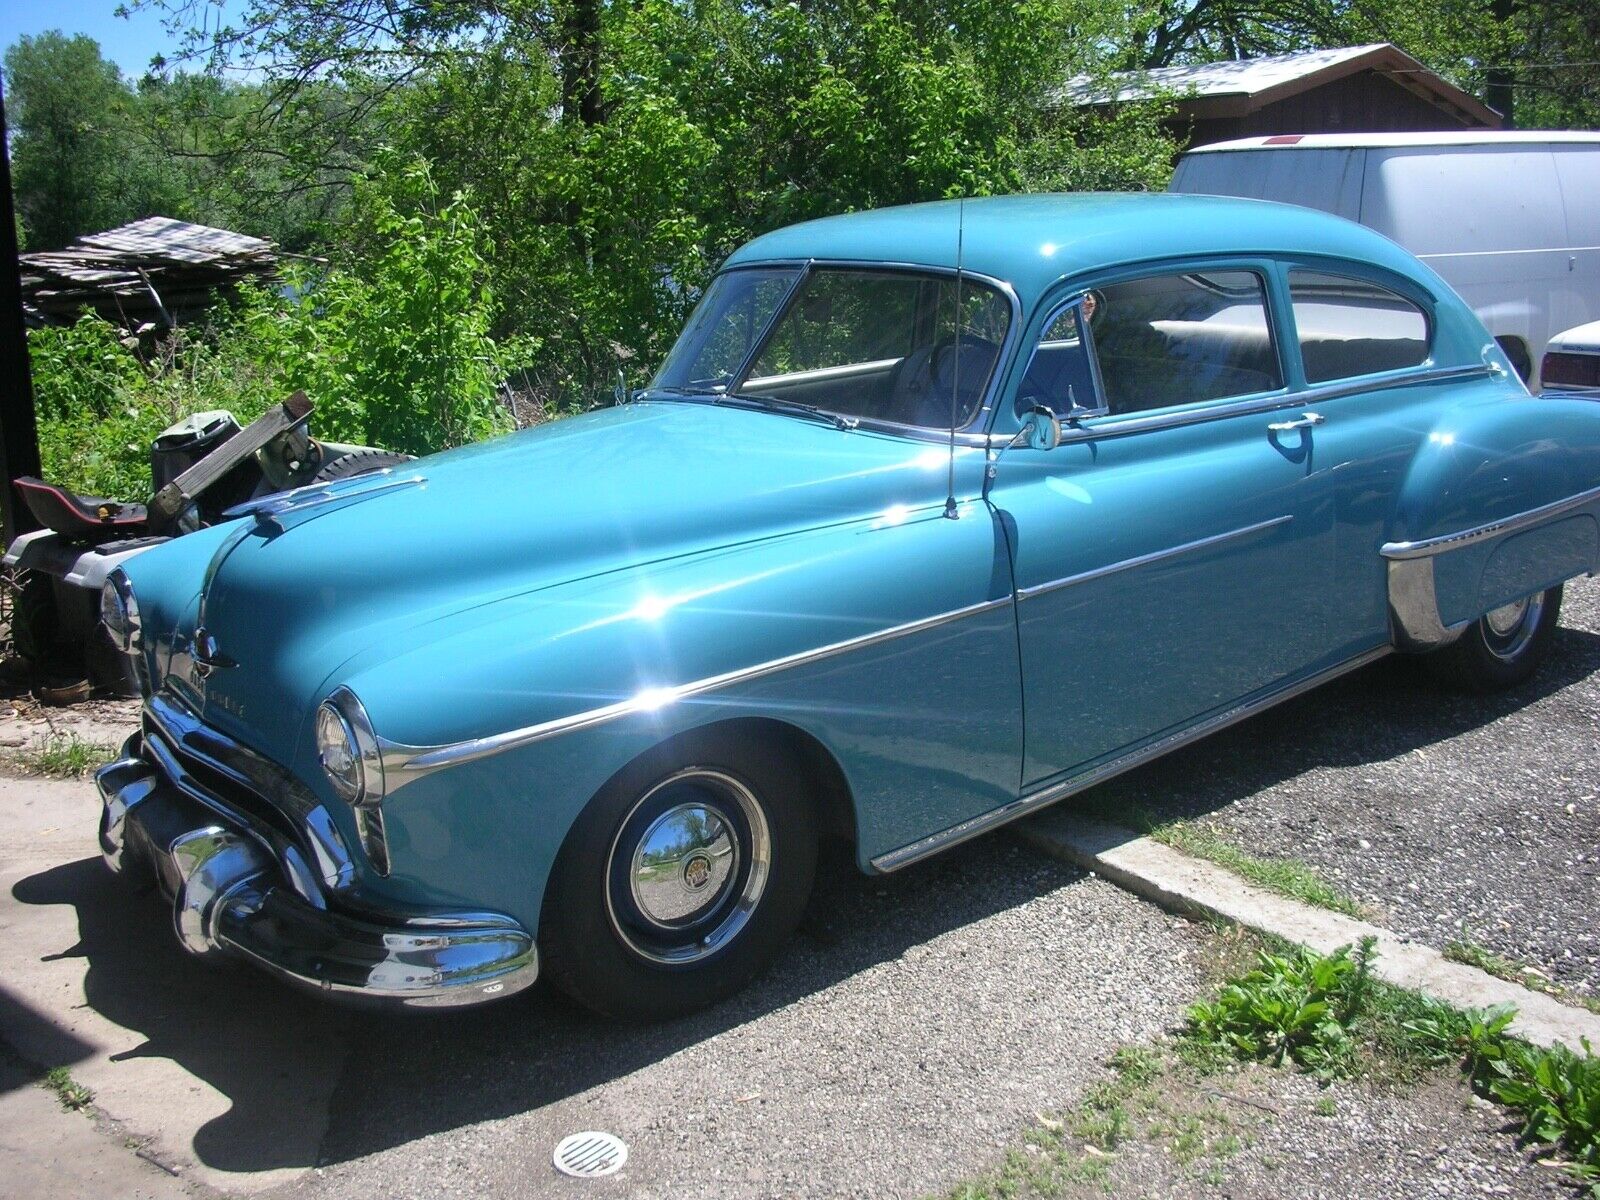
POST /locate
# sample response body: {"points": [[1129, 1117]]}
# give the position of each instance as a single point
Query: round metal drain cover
{"points": [[590, 1155]]}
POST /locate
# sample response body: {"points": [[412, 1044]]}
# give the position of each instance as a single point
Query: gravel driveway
{"points": [[1448, 814]]}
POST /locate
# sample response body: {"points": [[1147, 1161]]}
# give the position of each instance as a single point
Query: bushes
{"points": [[396, 354]]}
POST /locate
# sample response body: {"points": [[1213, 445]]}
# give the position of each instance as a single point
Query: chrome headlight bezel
{"points": [[347, 750], [119, 612]]}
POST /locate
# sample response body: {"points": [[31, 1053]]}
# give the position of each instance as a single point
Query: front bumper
{"points": [[230, 897]]}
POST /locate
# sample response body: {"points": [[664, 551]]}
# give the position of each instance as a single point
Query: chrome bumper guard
{"points": [[230, 897]]}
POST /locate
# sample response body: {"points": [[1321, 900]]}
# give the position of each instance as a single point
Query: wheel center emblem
{"points": [[697, 872]]}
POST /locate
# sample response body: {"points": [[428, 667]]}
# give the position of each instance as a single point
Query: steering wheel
{"points": [[926, 380]]}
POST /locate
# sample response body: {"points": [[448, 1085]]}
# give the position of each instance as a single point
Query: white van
{"points": [[1510, 220]]}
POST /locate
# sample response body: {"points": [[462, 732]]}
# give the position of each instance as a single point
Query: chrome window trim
{"points": [[1094, 428], [1033, 801], [1426, 547], [1155, 556], [410, 762]]}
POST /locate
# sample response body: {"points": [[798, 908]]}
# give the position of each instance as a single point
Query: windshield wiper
{"points": [[773, 403], [780, 404]]}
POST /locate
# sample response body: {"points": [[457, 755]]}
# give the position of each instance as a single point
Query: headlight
{"points": [[119, 612], [348, 749]]}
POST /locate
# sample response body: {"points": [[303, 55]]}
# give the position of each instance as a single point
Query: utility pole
{"points": [[19, 433]]}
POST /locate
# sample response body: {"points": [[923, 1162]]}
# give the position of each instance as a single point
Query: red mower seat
{"points": [[79, 516]]}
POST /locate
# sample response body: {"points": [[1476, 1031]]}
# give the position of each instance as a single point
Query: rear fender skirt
{"points": [[1439, 586]]}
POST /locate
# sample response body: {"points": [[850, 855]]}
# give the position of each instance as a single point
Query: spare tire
{"points": [[358, 462]]}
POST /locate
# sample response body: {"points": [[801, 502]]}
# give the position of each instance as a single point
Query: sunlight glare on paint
{"points": [[651, 607], [1442, 439], [651, 699]]}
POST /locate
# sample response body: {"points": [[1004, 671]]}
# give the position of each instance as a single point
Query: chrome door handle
{"points": [[1304, 421]]}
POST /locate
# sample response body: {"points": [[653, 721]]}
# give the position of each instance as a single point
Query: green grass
{"points": [[73, 1095], [1475, 954], [1286, 876], [63, 756]]}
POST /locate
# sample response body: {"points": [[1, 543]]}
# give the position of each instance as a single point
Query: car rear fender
{"points": [[1502, 500]]}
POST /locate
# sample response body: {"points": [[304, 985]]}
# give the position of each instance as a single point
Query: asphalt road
{"points": [[1448, 814]]}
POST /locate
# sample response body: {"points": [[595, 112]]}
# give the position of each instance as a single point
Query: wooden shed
{"points": [[1354, 89]]}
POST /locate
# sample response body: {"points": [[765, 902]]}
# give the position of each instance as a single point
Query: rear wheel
{"points": [[1502, 648], [680, 880]]}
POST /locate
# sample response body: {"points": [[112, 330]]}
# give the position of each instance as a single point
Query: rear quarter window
{"points": [[1351, 327]]}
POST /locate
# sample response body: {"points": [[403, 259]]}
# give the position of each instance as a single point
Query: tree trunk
{"points": [[1498, 92], [580, 63]]}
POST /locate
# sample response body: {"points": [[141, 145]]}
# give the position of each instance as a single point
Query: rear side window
{"points": [[1351, 327], [1182, 339]]}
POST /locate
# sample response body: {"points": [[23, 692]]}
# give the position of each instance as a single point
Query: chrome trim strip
{"points": [[1044, 797], [1093, 428], [418, 759], [1155, 556], [1425, 547]]}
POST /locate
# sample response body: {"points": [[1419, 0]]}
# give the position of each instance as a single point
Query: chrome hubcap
{"points": [[1509, 628], [683, 864], [688, 867]]}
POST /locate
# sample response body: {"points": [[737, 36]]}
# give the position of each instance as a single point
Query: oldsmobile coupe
{"points": [[934, 516]]}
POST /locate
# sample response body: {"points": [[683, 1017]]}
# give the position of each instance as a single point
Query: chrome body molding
{"points": [[416, 760], [1144, 560], [1043, 797], [1104, 427], [1427, 547], [231, 897]]}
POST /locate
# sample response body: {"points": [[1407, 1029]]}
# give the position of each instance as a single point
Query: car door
{"points": [[1173, 555]]}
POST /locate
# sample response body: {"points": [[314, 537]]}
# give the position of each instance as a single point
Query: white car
{"points": [[1508, 219], [1572, 360]]}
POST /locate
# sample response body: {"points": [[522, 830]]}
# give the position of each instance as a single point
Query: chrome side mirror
{"points": [[622, 393], [1041, 430]]}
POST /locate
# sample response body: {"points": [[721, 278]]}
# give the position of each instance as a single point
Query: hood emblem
{"points": [[208, 656]]}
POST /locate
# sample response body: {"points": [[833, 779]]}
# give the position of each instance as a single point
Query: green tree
{"points": [[71, 169]]}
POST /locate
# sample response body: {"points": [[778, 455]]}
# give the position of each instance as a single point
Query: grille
{"points": [[590, 1155]]}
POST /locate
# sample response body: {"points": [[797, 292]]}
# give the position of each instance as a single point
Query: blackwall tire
{"points": [[681, 879], [1501, 649], [358, 462]]}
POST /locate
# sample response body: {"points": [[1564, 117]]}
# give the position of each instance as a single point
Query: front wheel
{"points": [[680, 880], [1502, 648]]}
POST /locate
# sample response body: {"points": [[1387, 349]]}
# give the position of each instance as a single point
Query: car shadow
{"points": [[281, 1058], [1369, 716]]}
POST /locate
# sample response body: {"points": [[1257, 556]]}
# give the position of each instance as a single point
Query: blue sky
{"points": [[129, 43]]}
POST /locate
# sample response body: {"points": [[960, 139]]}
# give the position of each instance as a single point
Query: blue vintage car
{"points": [[934, 516]]}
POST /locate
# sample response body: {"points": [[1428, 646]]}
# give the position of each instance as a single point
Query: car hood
{"points": [[287, 600]]}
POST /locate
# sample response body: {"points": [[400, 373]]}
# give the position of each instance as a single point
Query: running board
{"points": [[1047, 796]]}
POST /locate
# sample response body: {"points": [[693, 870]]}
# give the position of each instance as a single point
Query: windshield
{"points": [[876, 345]]}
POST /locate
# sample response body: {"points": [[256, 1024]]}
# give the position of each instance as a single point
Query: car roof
{"points": [[1585, 338], [1368, 141], [1032, 242]]}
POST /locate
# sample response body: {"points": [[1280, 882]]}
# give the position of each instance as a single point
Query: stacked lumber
{"points": [[157, 269]]}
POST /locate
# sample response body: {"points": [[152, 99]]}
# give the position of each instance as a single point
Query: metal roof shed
{"points": [[1352, 89]]}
